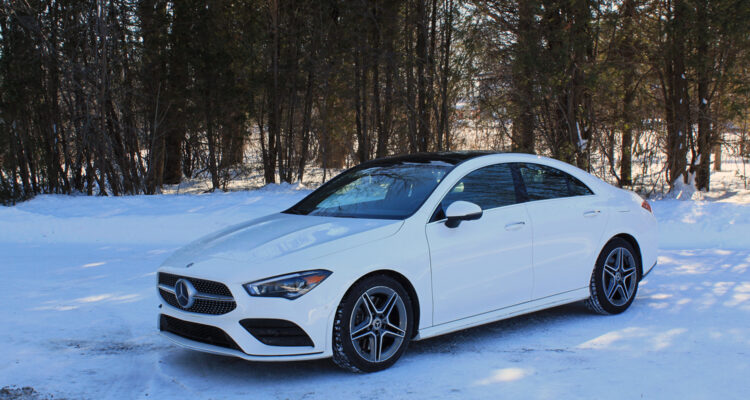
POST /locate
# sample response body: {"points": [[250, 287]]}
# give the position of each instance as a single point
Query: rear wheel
{"points": [[614, 282], [373, 325]]}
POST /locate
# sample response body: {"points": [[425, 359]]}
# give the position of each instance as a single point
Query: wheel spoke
{"points": [[374, 347], [361, 331], [370, 306], [395, 335], [623, 292], [628, 289], [394, 330], [619, 259], [611, 290], [388, 308], [610, 270], [363, 335], [380, 345], [628, 274]]}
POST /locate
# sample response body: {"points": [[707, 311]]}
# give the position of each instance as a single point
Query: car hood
{"points": [[283, 235]]}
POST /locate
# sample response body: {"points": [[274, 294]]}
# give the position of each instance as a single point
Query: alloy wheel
{"points": [[619, 276], [378, 324]]}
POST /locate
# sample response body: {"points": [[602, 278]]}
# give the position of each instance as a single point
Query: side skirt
{"points": [[504, 313]]}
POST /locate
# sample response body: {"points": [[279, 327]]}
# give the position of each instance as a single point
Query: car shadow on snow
{"points": [[497, 337], [503, 336]]}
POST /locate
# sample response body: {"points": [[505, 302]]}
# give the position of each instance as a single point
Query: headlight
{"points": [[288, 286]]}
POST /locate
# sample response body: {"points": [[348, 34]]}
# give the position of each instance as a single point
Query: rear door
{"points": [[486, 264], [568, 220]]}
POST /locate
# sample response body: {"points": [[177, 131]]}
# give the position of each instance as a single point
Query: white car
{"points": [[407, 248]]}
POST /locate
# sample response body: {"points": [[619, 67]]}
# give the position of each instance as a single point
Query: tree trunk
{"points": [[360, 105], [423, 114], [522, 139], [705, 143], [627, 56], [443, 129], [411, 98], [306, 122], [677, 100], [717, 157], [274, 122], [375, 61]]}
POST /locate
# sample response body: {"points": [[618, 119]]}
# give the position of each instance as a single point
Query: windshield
{"points": [[391, 191]]}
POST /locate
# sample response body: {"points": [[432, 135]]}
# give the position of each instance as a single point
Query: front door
{"points": [[485, 264]]}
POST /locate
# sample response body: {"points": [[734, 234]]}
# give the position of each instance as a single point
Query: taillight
{"points": [[647, 206]]}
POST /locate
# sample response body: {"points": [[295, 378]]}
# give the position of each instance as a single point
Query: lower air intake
{"points": [[277, 332], [197, 332]]}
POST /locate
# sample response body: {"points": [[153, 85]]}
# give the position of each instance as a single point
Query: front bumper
{"points": [[207, 348], [313, 313]]}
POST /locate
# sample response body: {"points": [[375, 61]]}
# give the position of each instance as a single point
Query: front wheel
{"points": [[614, 282], [373, 325]]}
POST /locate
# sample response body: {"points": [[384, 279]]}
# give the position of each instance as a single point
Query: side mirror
{"points": [[461, 211]]}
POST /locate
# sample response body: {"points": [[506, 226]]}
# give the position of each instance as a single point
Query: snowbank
{"points": [[165, 219], [702, 224]]}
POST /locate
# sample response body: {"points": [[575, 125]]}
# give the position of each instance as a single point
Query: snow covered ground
{"points": [[78, 316]]}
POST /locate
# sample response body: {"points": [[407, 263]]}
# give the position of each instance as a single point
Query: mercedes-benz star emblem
{"points": [[185, 293]]}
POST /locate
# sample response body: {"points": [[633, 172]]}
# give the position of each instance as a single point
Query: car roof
{"points": [[449, 157], [454, 158]]}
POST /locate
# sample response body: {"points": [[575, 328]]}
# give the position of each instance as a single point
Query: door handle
{"points": [[592, 213], [514, 226]]}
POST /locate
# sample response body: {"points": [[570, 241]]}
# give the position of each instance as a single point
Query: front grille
{"points": [[197, 332], [200, 306], [202, 285], [277, 332]]}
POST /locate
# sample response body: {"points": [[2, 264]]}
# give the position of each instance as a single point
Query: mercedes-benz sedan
{"points": [[407, 248]]}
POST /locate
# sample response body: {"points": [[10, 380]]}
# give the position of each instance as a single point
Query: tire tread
{"points": [[592, 303], [339, 356]]}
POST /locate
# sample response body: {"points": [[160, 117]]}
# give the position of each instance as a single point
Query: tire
{"points": [[614, 282], [373, 325]]}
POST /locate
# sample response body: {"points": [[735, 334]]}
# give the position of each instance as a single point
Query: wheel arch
{"points": [[404, 281], [633, 242]]}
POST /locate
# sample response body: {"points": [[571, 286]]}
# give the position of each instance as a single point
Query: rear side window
{"points": [[543, 182], [578, 188], [488, 187]]}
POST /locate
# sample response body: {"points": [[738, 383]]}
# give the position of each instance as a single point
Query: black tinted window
{"points": [[488, 187], [543, 182], [578, 188]]}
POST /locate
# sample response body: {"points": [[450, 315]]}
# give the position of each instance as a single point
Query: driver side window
{"points": [[489, 187]]}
